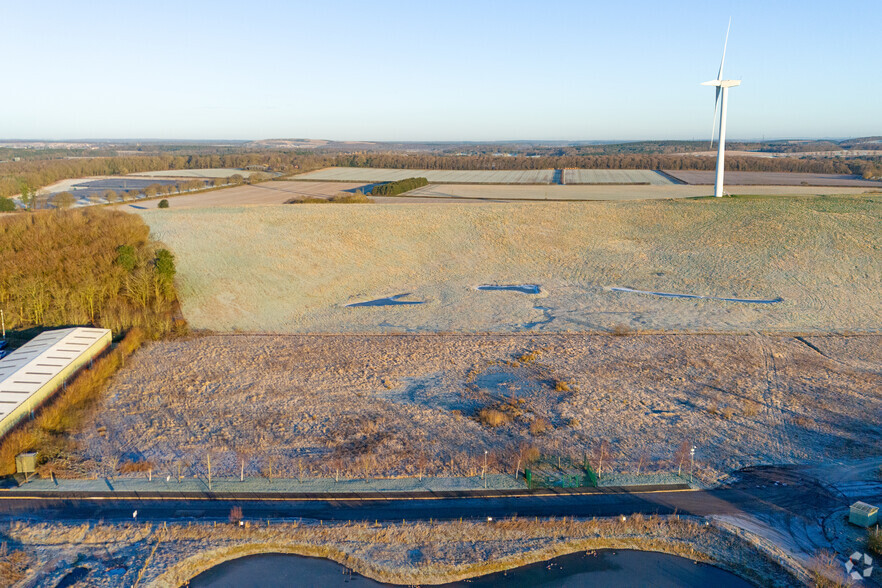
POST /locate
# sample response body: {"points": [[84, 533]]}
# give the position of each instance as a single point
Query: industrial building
{"points": [[35, 371]]}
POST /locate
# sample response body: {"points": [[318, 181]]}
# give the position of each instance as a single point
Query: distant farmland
{"points": [[615, 176], [367, 174], [632, 177], [263, 193], [744, 178]]}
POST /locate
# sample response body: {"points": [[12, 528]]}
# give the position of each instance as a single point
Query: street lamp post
{"points": [[692, 464]]}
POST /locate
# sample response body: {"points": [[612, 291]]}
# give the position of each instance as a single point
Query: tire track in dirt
{"points": [[773, 400]]}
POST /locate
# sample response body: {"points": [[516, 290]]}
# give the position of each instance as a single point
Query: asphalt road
{"points": [[751, 491]]}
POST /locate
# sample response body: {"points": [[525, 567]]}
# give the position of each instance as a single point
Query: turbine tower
{"points": [[722, 89]]}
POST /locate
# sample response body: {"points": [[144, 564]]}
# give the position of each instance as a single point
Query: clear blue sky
{"points": [[444, 70]]}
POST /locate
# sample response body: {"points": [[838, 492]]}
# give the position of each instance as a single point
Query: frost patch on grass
{"points": [[522, 288], [669, 295]]}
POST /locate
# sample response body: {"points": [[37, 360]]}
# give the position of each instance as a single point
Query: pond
{"points": [[602, 568]]}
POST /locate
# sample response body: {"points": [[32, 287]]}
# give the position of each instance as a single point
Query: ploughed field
{"points": [[398, 405], [297, 268]]}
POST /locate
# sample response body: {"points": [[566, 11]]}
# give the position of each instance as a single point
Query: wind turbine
{"points": [[722, 89]]}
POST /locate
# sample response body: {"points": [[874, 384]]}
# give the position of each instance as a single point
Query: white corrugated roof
{"points": [[864, 508], [27, 369]]}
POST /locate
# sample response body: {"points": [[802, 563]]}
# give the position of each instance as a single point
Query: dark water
{"points": [[606, 568], [523, 289], [390, 301], [667, 295]]}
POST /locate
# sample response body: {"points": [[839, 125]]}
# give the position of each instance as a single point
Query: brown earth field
{"points": [[398, 405], [745, 178]]}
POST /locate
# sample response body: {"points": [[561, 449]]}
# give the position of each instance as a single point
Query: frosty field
{"points": [[396, 404], [293, 269], [263, 193], [366, 174], [598, 191]]}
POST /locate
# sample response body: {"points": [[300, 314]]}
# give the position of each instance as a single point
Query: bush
{"points": [[491, 417], [163, 203], [339, 198], [529, 453], [621, 330], [348, 198], [540, 426], [6, 205], [874, 541], [561, 386], [399, 187]]}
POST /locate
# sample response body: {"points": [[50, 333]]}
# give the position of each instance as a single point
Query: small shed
{"points": [[863, 514]]}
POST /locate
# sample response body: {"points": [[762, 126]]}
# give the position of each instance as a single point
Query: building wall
{"points": [[53, 385]]}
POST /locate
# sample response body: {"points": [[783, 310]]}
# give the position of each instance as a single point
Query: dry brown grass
{"points": [[561, 386], [14, 566], [331, 399], [824, 570], [540, 426], [491, 417]]}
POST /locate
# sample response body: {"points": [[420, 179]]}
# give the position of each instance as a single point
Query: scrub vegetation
{"points": [[365, 406], [399, 187], [339, 198], [85, 267]]}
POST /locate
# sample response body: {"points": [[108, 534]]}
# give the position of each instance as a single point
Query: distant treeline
{"points": [[620, 161], [28, 175], [399, 187], [84, 267]]}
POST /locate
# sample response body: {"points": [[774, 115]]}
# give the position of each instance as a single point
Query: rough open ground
{"points": [[294, 268], [396, 405]]}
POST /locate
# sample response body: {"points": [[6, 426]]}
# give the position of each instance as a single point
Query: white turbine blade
{"points": [[711, 83], [723, 60], [714, 123]]}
